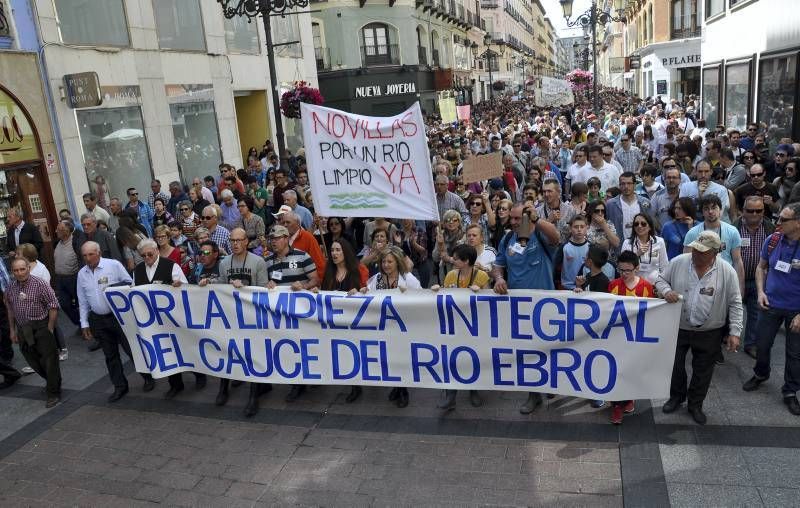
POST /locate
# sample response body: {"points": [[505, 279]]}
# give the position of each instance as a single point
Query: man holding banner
{"points": [[97, 320], [710, 290], [526, 254]]}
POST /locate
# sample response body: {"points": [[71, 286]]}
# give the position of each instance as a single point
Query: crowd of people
{"points": [[638, 199]]}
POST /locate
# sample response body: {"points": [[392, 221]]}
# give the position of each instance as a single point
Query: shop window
{"points": [[714, 7], [194, 125], [241, 37], [710, 96], [115, 151], [92, 22], [179, 25], [286, 29], [777, 89], [737, 95]]}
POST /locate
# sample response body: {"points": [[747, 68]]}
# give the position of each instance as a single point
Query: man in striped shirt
{"points": [[754, 228], [292, 268]]}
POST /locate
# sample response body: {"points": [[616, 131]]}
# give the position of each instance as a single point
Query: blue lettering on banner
{"points": [[204, 342], [472, 341]]}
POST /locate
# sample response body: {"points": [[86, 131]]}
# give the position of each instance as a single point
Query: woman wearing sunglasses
{"points": [[600, 229], [651, 249], [787, 182], [480, 213]]}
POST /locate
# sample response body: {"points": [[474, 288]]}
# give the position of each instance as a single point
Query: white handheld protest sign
{"points": [[364, 166], [596, 346]]}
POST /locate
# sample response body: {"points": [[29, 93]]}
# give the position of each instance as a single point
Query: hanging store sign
{"points": [[634, 62], [17, 142], [616, 65], [82, 90]]}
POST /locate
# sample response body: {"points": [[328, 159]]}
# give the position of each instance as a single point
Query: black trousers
{"points": [[107, 331], [9, 373], [66, 287], [176, 380], [42, 355], [6, 348], [705, 346]]}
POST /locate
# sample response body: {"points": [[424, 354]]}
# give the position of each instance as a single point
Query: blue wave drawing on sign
{"points": [[351, 200]]}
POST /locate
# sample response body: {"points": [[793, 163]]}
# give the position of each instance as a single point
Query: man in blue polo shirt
{"points": [[526, 254], [778, 284]]}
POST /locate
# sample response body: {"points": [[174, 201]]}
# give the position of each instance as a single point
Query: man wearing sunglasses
{"points": [[758, 186], [144, 210], [749, 140], [777, 166], [778, 284]]}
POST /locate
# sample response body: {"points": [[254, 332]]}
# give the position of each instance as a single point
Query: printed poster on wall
{"points": [[365, 166]]}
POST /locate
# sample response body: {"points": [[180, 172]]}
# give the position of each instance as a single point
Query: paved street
{"points": [[320, 451]]}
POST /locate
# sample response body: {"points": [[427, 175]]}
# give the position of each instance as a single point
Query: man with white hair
{"points": [[230, 209], [217, 233], [160, 270], [156, 269], [290, 200], [301, 239], [97, 320]]}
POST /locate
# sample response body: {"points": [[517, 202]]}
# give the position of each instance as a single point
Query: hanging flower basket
{"points": [[499, 85], [302, 92], [580, 80]]}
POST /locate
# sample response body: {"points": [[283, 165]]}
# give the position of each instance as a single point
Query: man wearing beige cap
{"points": [[711, 308]]}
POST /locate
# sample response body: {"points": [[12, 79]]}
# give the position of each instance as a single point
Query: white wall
{"points": [[145, 65]]}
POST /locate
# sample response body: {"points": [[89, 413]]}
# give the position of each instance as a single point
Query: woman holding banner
{"points": [[343, 272], [393, 274], [465, 275]]}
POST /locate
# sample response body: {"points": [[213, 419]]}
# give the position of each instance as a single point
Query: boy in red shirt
{"points": [[629, 284]]}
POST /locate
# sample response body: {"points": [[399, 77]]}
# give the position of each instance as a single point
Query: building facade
{"points": [[377, 58], [665, 34], [750, 53], [181, 89], [31, 176]]}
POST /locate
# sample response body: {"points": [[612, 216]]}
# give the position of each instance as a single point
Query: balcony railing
{"points": [[490, 4], [323, 58], [422, 54], [380, 54]]}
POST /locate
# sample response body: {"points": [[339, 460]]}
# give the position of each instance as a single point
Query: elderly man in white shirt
{"points": [[96, 317]]}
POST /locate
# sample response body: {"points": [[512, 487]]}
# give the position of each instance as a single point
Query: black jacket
{"points": [[29, 234]]}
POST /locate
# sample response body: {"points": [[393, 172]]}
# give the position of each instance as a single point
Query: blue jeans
{"points": [[752, 310], [769, 322]]}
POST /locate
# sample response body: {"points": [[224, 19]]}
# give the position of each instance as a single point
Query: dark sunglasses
{"points": [[478, 203], [638, 224], [599, 210], [205, 252], [748, 157], [752, 210], [208, 217], [133, 194]]}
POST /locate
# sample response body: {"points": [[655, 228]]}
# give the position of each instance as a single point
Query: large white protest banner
{"points": [[364, 166], [553, 92], [589, 345]]}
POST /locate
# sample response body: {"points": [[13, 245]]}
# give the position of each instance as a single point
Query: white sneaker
{"points": [[63, 355], [27, 370]]}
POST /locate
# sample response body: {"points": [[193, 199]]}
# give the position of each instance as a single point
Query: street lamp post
{"points": [[266, 8], [522, 62], [591, 19], [489, 55]]}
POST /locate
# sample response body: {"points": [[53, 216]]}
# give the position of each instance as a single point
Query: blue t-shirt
{"points": [[731, 239], [572, 257], [532, 269], [673, 233], [782, 287]]}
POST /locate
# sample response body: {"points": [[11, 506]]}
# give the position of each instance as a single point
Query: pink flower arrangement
{"points": [[580, 80], [302, 92]]}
